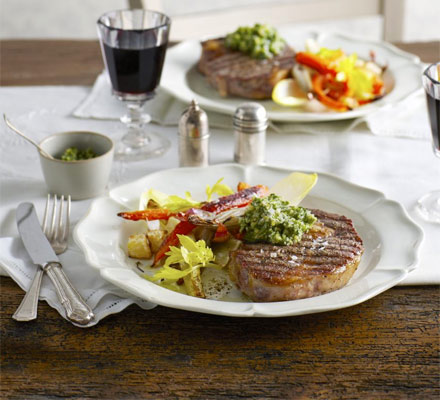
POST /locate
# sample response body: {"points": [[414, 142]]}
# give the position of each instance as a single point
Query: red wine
{"points": [[135, 71], [434, 118]]}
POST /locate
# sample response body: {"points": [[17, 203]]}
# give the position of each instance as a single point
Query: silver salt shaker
{"points": [[193, 137], [250, 124]]}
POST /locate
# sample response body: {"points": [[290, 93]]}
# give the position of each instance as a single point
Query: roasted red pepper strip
{"points": [[236, 200], [182, 228], [377, 86], [221, 234], [150, 214], [318, 82], [313, 61], [335, 89]]}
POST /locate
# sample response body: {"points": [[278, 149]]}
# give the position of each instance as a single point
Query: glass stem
{"points": [[135, 118]]}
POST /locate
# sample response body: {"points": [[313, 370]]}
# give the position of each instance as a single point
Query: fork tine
{"points": [[53, 219], [59, 226], [67, 223], [44, 226]]}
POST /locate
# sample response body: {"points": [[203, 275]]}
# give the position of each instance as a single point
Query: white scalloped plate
{"points": [[403, 77], [391, 239]]}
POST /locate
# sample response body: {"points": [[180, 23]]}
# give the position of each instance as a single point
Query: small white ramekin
{"points": [[81, 179]]}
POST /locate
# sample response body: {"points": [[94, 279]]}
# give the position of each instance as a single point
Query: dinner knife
{"points": [[44, 257]]}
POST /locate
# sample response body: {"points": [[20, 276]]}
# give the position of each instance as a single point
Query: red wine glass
{"points": [[429, 204], [133, 45]]}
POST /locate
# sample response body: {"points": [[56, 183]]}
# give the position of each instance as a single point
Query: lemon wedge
{"points": [[288, 93], [295, 186]]}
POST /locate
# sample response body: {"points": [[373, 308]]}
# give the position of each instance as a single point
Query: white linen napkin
{"points": [[408, 118], [103, 297], [164, 109]]}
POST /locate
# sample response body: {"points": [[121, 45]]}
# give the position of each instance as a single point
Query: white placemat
{"points": [[406, 119], [403, 169]]}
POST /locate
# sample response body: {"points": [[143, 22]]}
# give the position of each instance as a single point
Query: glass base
{"points": [[429, 206], [135, 147]]}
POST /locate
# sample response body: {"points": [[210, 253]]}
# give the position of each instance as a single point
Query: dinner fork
{"points": [[57, 232]]}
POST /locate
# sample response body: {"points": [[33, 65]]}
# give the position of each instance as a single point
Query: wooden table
{"points": [[385, 348]]}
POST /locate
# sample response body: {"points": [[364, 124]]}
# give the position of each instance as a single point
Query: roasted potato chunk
{"points": [[139, 246], [155, 238]]}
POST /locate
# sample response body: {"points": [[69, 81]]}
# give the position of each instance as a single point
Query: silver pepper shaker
{"points": [[250, 124], [193, 137]]}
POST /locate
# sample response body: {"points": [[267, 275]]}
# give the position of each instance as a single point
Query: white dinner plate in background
{"points": [[181, 78]]}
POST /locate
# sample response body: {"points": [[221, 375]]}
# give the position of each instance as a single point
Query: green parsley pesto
{"points": [[273, 220], [75, 154], [258, 41]]}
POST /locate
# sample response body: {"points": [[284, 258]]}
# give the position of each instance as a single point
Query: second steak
{"points": [[237, 74]]}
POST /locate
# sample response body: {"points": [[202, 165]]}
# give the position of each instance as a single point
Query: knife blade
{"points": [[33, 237], [42, 254]]}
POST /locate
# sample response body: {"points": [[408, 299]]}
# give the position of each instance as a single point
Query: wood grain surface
{"points": [[61, 62], [385, 348]]}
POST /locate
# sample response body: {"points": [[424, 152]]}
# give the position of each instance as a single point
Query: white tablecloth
{"points": [[402, 168]]}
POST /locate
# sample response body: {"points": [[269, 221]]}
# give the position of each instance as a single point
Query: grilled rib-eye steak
{"points": [[324, 260], [235, 73]]}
